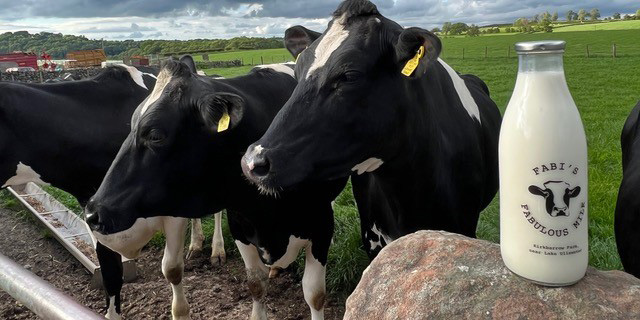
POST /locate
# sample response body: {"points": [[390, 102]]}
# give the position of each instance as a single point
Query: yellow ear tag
{"points": [[223, 124], [413, 63]]}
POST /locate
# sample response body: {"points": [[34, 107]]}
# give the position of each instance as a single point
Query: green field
{"points": [[605, 25], [605, 89]]}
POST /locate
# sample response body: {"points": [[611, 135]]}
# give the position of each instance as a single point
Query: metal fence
{"points": [[40, 296]]}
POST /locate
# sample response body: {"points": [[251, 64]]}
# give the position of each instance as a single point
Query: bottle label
{"points": [[557, 207]]}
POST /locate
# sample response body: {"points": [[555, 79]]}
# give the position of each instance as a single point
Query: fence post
{"points": [[41, 79], [509, 52], [614, 50], [251, 60], [462, 53], [261, 60], [485, 52], [588, 55]]}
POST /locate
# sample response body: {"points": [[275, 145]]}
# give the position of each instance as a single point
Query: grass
{"points": [[605, 90], [605, 25]]}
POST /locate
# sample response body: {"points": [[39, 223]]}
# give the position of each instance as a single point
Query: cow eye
{"points": [[155, 136], [351, 76]]}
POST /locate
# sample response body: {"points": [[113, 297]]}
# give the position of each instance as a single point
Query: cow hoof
{"points": [[274, 272], [113, 316], [193, 252], [218, 256]]}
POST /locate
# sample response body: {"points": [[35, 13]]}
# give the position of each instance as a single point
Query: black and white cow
{"points": [[182, 158], [627, 217], [557, 196], [423, 146], [67, 134]]}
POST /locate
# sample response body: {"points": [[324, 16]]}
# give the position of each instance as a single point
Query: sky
{"points": [[209, 19]]}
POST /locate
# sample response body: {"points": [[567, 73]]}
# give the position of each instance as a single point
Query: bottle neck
{"points": [[541, 62]]}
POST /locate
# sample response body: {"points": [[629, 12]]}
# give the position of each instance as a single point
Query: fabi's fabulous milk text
{"points": [[543, 172]]}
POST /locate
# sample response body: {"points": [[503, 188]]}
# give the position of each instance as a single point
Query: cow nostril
{"points": [[261, 166]]}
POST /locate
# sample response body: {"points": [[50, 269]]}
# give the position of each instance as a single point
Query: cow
{"points": [[627, 216], [557, 195], [182, 159], [67, 134], [374, 99]]}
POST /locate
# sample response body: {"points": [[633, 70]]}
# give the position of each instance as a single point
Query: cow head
{"points": [[557, 195], [350, 105], [162, 168]]}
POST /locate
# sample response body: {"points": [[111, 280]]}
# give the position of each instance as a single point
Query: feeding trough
{"points": [[69, 229]]}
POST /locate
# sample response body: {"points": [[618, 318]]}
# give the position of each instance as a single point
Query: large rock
{"points": [[440, 275]]}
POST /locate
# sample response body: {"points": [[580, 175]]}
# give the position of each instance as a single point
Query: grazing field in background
{"points": [[604, 88]]}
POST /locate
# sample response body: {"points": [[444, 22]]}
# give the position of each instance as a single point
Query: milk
{"points": [[543, 176]]}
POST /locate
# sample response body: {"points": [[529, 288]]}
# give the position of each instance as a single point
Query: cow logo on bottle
{"points": [[557, 196], [555, 211]]}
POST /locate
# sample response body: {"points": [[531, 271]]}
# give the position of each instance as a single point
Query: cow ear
{"points": [[188, 60], [538, 191], [416, 50], [572, 193], [222, 111], [298, 38]]}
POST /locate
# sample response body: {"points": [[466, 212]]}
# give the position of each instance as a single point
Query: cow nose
{"points": [[91, 216], [255, 162]]}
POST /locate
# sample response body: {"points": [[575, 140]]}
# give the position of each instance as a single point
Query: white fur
{"points": [[258, 149], [197, 237], [330, 42], [24, 174], [111, 312], [217, 244], [129, 242], [136, 75], [253, 263], [174, 230], [368, 165], [163, 79], [279, 67], [313, 282], [293, 248], [463, 92], [378, 232]]}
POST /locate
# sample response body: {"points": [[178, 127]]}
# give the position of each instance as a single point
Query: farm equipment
{"points": [[68, 228]]}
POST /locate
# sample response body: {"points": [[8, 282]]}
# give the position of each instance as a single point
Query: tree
{"points": [[582, 15], [545, 16], [545, 25], [435, 30], [595, 14], [616, 15], [638, 14], [570, 14], [446, 27], [535, 18], [458, 28], [473, 31], [554, 16]]}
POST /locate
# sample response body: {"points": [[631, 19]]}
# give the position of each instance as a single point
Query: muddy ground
{"points": [[214, 292]]}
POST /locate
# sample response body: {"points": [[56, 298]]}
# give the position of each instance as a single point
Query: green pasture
{"points": [[605, 25], [604, 88]]}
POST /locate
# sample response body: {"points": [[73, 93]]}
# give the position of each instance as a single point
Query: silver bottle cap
{"points": [[540, 46]]}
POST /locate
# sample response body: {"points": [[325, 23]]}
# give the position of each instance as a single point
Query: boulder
{"points": [[440, 275]]}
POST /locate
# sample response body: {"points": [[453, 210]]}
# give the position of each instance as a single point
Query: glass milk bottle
{"points": [[543, 172]]}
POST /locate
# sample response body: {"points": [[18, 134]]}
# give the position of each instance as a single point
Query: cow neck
{"points": [[421, 151]]}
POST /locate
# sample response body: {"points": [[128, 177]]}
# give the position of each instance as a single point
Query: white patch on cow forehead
{"points": [[286, 68], [24, 174], [258, 149], [136, 75], [163, 79], [463, 92], [368, 165], [330, 42]]}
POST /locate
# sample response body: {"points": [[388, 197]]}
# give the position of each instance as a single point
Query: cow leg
{"points": [[313, 284], [256, 279], [111, 270], [197, 238], [218, 255], [173, 265]]}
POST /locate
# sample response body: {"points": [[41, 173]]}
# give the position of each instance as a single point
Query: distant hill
{"points": [[57, 45]]}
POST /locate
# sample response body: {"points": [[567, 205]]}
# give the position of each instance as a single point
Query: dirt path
{"points": [[214, 292]]}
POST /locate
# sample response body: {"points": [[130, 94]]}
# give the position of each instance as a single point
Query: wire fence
{"points": [[613, 51]]}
